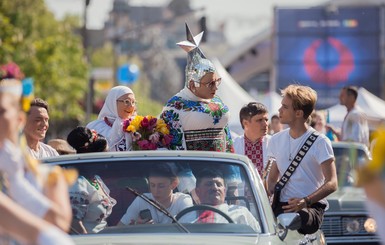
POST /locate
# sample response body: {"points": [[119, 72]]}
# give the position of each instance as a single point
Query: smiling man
{"points": [[36, 128]]}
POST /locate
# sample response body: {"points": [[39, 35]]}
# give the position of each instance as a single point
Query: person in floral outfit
{"points": [[197, 117]]}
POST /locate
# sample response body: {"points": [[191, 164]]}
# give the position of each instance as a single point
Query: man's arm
{"points": [[329, 171], [330, 185]]}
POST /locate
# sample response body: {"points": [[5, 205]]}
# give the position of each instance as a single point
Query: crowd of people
{"points": [[197, 119]]}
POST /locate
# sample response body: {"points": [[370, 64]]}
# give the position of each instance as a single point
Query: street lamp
{"points": [[90, 83]]}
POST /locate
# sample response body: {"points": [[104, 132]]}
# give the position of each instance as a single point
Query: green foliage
{"points": [[46, 50]]}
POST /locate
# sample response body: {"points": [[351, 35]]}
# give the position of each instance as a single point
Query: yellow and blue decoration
{"points": [[374, 168]]}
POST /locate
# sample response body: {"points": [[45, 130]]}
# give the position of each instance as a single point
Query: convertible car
{"points": [[125, 174]]}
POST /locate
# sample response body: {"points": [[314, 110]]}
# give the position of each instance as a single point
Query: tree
{"points": [[48, 51]]}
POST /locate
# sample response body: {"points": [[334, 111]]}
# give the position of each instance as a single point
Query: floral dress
{"points": [[198, 124]]}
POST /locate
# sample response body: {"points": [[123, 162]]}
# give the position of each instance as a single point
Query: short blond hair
{"points": [[303, 98]]}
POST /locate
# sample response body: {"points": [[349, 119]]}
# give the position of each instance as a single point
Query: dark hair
{"points": [[250, 110], [40, 103], [162, 170], [351, 91], [275, 116], [85, 140], [208, 173]]}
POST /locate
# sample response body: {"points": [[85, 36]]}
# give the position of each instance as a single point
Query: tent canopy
{"points": [[233, 95]]}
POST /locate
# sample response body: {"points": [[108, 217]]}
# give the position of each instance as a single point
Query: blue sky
{"points": [[244, 18]]}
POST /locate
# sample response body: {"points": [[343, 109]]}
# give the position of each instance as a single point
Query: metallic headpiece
{"points": [[197, 63]]}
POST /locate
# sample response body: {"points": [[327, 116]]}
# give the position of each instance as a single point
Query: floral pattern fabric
{"points": [[192, 118]]}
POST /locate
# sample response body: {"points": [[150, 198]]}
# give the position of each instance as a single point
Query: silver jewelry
{"points": [[297, 146]]}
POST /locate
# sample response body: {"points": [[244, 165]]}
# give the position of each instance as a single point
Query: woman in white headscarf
{"points": [[119, 105]]}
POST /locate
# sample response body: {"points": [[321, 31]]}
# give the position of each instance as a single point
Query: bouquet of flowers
{"points": [[148, 132]]}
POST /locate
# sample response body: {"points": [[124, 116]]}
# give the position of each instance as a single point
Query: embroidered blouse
{"points": [[198, 124]]}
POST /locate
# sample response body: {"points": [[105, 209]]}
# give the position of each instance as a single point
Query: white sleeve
{"points": [[27, 196], [183, 201], [132, 212], [54, 236], [20, 189]]}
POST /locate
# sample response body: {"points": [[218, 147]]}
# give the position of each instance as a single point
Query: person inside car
{"points": [[90, 197], [211, 190], [162, 181]]}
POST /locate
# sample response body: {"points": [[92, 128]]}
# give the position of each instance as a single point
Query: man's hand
{"points": [[295, 205]]}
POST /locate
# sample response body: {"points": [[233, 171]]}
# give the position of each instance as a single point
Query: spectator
{"points": [[254, 121], [90, 197], [301, 185], [36, 129], [61, 146], [275, 125], [355, 125], [25, 181], [318, 122], [120, 105]]}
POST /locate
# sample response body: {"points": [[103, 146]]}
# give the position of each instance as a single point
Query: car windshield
{"points": [[347, 159], [144, 176]]}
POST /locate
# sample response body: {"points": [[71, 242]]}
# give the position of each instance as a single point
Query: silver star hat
{"points": [[197, 63]]}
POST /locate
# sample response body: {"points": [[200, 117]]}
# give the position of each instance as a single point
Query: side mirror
{"points": [[288, 221]]}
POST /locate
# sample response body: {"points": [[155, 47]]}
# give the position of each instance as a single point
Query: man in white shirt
{"points": [[315, 176], [253, 143], [36, 128], [211, 190], [355, 125]]}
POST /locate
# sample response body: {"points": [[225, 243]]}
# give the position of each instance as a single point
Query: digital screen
{"points": [[327, 50]]}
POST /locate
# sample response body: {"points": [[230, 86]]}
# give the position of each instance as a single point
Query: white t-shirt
{"points": [[180, 202], [239, 214], [355, 127], [44, 151], [308, 176]]}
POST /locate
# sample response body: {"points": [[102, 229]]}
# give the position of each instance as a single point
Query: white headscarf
{"points": [[113, 134], [110, 109]]}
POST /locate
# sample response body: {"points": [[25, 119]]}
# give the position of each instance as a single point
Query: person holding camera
{"points": [[162, 181]]}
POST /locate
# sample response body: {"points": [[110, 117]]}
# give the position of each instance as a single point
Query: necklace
{"points": [[301, 140]]}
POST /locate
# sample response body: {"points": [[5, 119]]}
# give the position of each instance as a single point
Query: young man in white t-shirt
{"points": [[315, 177], [162, 181], [36, 128]]}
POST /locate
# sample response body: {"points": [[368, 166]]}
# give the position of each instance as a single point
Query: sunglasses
{"points": [[128, 102], [211, 84]]}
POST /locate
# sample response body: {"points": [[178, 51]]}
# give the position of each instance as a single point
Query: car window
{"points": [[117, 175]]}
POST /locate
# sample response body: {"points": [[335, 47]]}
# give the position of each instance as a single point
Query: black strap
{"points": [[296, 161]]}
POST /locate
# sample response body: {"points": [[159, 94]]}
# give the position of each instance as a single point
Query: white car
{"points": [[129, 169]]}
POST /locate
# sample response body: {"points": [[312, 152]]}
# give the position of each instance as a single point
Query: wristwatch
{"points": [[307, 201]]}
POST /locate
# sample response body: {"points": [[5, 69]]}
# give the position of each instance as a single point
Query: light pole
{"points": [[90, 80]]}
